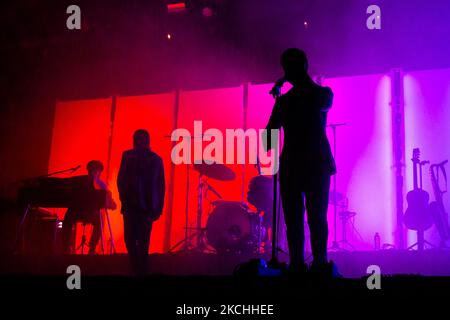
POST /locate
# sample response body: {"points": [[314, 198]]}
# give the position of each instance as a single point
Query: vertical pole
{"points": [[274, 260], [199, 211], [170, 192], [108, 169], [111, 131], [398, 145], [244, 123]]}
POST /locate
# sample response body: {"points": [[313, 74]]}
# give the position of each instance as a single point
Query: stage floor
{"points": [[164, 297], [410, 280], [350, 264]]}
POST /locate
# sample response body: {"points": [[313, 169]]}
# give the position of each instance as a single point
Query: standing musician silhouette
{"points": [[306, 162], [142, 189]]}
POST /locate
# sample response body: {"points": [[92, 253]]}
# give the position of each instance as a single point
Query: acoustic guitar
{"points": [[417, 216]]}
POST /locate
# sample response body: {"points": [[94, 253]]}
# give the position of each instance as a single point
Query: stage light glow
{"points": [[176, 7], [207, 12]]}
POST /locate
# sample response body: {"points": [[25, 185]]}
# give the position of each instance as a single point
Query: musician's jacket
{"points": [[141, 183], [302, 112]]}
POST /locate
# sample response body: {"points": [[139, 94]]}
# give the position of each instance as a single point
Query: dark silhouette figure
{"points": [[79, 212], [306, 162], [141, 187]]}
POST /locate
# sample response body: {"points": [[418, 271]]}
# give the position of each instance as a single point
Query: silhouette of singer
{"points": [[306, 162], [141, 187]]}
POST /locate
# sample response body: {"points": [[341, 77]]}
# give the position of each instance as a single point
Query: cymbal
{"points": [[215, 171]]}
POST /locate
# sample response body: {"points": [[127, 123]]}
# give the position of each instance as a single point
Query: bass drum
{"points": [[231, 227]]}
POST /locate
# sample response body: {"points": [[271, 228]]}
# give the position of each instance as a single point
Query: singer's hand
{"points": [[275, 92], [276, 89]]}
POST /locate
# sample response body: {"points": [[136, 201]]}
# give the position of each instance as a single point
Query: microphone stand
{"points": [[259, 266], [71, 170], [274, 263]]}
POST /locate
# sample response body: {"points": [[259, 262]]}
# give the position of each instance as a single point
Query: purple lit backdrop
{"points": [[364, 155], [427, 126]]}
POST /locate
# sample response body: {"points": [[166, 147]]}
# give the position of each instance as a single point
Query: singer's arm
{"points": [[274, 123], [325, 99]]}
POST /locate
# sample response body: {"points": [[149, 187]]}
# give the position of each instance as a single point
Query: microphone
{"points": [[276, 89], [75, 168]]}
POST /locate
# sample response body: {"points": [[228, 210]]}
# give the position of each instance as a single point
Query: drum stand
{"points": [[201, 246], [258, 249], [345, 218], [186, 241], [335, 245], [200, 232]]}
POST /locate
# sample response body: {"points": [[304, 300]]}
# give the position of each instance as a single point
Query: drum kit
{"points": [[231, 225], [234, 227]]}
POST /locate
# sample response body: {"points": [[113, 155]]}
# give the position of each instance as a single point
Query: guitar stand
{"points": [[421, 242], [421, 246]]}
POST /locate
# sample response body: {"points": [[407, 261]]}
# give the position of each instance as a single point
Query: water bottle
{"points": [[377, 241]]}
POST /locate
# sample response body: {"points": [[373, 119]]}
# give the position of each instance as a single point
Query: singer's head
{"points": [[94, 168], [295, 65], [141, 139]]}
